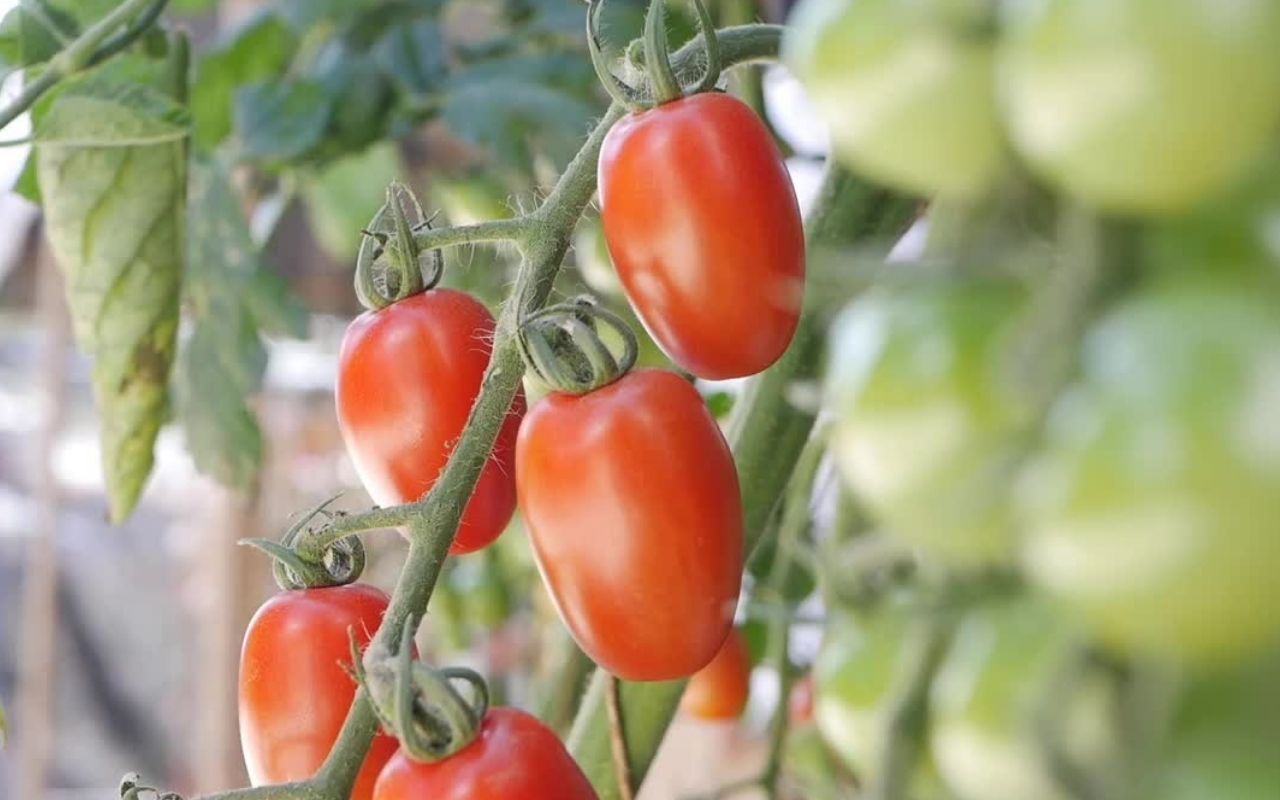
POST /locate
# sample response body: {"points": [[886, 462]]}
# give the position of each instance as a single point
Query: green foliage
{"points": [[258, 50], [281, 120], [111, 157], [230, 297]]}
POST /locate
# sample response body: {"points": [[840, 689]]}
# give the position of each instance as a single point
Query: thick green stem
{"points": [[544, 237], [904, 721], [768, 433], [88, 48]]}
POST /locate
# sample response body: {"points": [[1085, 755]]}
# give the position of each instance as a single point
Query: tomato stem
{"points": [[618, 737]]}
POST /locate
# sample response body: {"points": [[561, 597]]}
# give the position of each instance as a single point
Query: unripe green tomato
{"points": [[906, 87], [855, 672], [927, 432], [1141, 106], [1152, 509], [1221, 742], [985, 697]]}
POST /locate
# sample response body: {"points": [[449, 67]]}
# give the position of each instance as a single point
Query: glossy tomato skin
{"points": [[407, 378], [294, 690], [719, 690], [513, 756], [633, 509], [704, 229]]}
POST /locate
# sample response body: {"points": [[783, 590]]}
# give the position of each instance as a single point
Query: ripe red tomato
{"points": [[513, 756], [294, 690], [705, 231], [635, 516], [407, 378], [719, 690], [800, 703]]}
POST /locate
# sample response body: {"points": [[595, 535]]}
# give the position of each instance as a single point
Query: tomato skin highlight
{"points": [[635, 516], [705, 231], [294, 690], [513, 756], [719, 691], [407, 378]]}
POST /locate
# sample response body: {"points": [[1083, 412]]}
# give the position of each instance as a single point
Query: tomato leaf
{"points": [[281, 120], [413, 56], [111, 158], [257, 50], [503, 111], [230, 297]]}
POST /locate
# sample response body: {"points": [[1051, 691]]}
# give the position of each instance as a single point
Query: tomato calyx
{"points": [[664, 84], [297, 566], [420, 705], [390, 265], [561, 344], [132, 788]]}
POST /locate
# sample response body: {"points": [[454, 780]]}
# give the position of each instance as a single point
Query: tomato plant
{"points": [[1148, 509], [906, 88], [295, 688], [513, 755], [1141, 106], [633, 485], [927, 434], [705, 233], [408, 375], [719, 690]]}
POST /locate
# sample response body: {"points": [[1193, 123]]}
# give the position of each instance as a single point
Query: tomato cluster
{"points": [[1074, 388]]}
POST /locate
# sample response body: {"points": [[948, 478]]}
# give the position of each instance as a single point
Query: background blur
{"points": [[118, 646]]}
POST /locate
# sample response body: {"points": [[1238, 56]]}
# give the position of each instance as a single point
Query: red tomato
{"points": [[719, 690], [294, 689], [407, 378], [514, 756], [703, 226], [800, 704], [633, 509]]}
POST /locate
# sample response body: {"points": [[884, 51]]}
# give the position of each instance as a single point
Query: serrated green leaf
{"points": [[257, 50], [112, 171], [339, 197], [230, 298], [281, 120]]}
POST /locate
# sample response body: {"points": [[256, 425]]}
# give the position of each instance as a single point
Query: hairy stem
{"points": [[90, 47]]}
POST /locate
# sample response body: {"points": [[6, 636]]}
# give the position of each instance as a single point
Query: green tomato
{"points": [[1152, 508], [984, 700], [926, 433], [1141, 106], [1221, 743], [854, 676], [906, 87]]}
